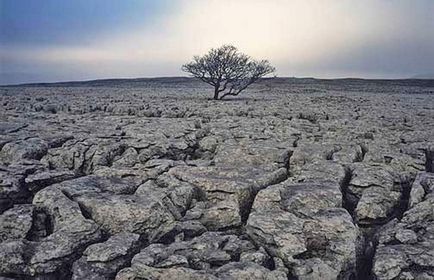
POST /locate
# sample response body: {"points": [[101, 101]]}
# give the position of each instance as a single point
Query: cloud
{"points": [[301, 37]]}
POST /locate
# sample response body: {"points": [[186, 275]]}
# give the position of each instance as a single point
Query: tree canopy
{"points": [[227, 70]]}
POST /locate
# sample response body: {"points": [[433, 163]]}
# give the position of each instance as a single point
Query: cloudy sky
{"points": [[58, 40]]}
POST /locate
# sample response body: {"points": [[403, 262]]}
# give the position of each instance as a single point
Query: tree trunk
{"points": [[216, 93]]}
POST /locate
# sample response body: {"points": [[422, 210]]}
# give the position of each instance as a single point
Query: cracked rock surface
{"points": [[149, 179]]}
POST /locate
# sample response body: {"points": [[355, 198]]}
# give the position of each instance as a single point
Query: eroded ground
{"points": [[296, 179]]}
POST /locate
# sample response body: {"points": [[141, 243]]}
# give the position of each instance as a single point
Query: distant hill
{"points": [[428, 76], [110, 82], [172, 82]]}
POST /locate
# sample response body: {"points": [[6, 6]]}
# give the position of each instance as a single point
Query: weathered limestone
{"points": [[104, 260], [299, 223], [148, 179], [406, 247]]}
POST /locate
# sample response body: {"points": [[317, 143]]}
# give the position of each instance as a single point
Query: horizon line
{"points": [[39, 83]]}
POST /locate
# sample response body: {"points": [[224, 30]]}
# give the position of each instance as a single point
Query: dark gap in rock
{"points": [[329, 155], [368, 223], [418, 268], [270, 264], [234, 230], [58, 142], [197, 264], [235, 256], [172, 207], [223, 244], [115, 153], [144, 240], [286, 163], [309, 255], [86, 166], [168, 238], [126, 259], [65, 271], [393, 242], [41, 226], [86, 213], [348, 274], [388, 159], [316, 247], [49, 226], [65, 193], [291, 275], [247, 207], [429, 159], [348, 201], [45, 223], [194, 152], [361, 156], [5, 204], [365, 256], [295, 143], [399, 210], [177, 154]]}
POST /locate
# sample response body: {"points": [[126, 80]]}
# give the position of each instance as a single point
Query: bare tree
{"points": [[227, 70]]}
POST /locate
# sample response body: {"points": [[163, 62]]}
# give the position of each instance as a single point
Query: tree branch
{"points": [[227, 70]]}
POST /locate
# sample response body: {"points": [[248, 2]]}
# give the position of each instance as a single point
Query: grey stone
{"points": [[137, 214], [405, 247], [16, 222], [299, 222], [104, 260], [248, 270], [33, 148], [38, 181], [228, 193], [376, 191]]}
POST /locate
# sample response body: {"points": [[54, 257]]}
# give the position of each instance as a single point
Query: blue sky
{"points": [[58, 40], [43, 22]]}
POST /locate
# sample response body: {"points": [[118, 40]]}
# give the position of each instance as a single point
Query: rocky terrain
{"points": [[149, 179]]}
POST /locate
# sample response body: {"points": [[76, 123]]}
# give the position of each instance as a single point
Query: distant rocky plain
{"points": [[150, 179]]}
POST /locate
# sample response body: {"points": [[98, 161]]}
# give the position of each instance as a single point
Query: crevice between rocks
{"points": [[361, 156], [246, 209], [429, 159], [366, 244], [347, 203], [406, 185], [369, 242], [366, 254], [85, 212], [42, 225]]}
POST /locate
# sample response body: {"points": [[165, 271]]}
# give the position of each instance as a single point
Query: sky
{"points": [[64, 40]]}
